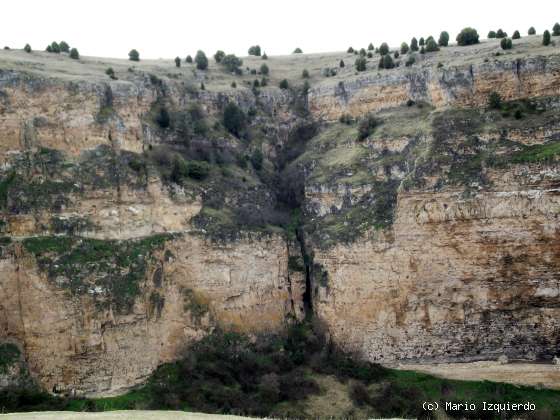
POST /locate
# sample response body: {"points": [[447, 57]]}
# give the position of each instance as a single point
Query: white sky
{"points": [[167, 28]]}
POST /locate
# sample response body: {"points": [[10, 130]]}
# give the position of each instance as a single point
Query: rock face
{"points": [[133, 223]]}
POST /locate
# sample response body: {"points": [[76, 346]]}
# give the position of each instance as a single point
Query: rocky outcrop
{"points": [[460, 85]]}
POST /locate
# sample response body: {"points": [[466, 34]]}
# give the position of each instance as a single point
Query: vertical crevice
{"points": [[308, 264]]}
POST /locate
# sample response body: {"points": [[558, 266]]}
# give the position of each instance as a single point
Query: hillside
{"points": [[401, 209]]}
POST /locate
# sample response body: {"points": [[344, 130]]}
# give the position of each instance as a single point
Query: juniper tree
{"points": [[264, 69], [414, 44], [468, 36], [516, 35], [491, 34], [189, 59], [443, 39], [134, 55], [431, 45], [341, 64], [74, 54], [531, 31], [27, 48], [177, 62], [201, 60], [556, 29], [546, 38], [360, 64], [404, 48], [219, 56], [370, 47], [384, 49], [64, 47]]}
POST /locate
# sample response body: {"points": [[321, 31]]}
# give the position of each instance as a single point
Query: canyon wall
{"points": [[434, 238]]}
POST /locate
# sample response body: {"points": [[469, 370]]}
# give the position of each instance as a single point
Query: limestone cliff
{"points": [[134, 220]]}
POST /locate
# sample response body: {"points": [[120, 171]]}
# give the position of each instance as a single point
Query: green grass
{"points": [[538, 153]]}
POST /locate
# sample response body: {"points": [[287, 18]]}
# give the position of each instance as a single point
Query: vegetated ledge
{"points": [[294, 375], [109, 270]]}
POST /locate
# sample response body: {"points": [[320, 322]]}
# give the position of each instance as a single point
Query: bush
{"points": [[494, 100], [468, 36], [386, 62], [346, 119], [64, 47], [501, 34], [284, 84], [111, 73], [177, 62], [350, 50], [516, 35], [48, 49], [305, 74], [193, 169], [202, 87], [297, 51], [443, 40], [55, 48], [422, 50], [531, 31], [232, 63], [360, 64], [255, 50], [341, 64], [404, 48], [257, 159], [134, 55], [431, 45], [367, 125], [27, 48], [74, 54], [256, 83], [491, 34], [506, 43], [264, 69], [189, 59], [264, 56], [363, 52], [413, 44], [546, 38], [201, 60], [233, 84], [218, 57], [422, 42], [162, 118], [396, 54], [234, 119], [410, 61], [384, 49], [556, 29], [370, 47]]}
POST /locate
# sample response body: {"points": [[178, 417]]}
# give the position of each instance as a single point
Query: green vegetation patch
{"points": [[9, 354], [111, 271], [279, 376]]}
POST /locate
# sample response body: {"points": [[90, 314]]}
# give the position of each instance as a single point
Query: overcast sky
{"points": [[165, 28]]}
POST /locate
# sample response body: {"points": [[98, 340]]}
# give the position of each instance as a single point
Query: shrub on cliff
{"points": [[363, 52], [264, 56], [189, 59], [305, 74], [501, 34], [556, 29], [134, 55], [531, 31], [431, 45], [386, 62], [201, 60], [283, 84], [413, 44], [341, 64], [218, 57], [367, 125], [443, 39], [421, 42], [177, 62], [234, 119], [494, 100], [360, 64], [546, 38], [404, 48], [232, 63], [55, 48], [350, 50], [111, 73], [27, 48], [193, 169], [255, 50], [370, 47], [298, 51], [384, 49], [64, 47], [74, 54], [506, 43], [491, 34], [264, 69], [516, 35], [468, 36], [410, 61]]}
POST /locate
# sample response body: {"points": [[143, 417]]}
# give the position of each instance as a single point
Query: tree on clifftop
{"points": [[255, 50], [556, 29], [546, 38], [134, 55], [414, 44], [189, 59], [74, 54], [218, 57], [64, 47], [201, 60], [468, 36], [531, 31], [177, 62], [27, 48], [443, 39]]}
